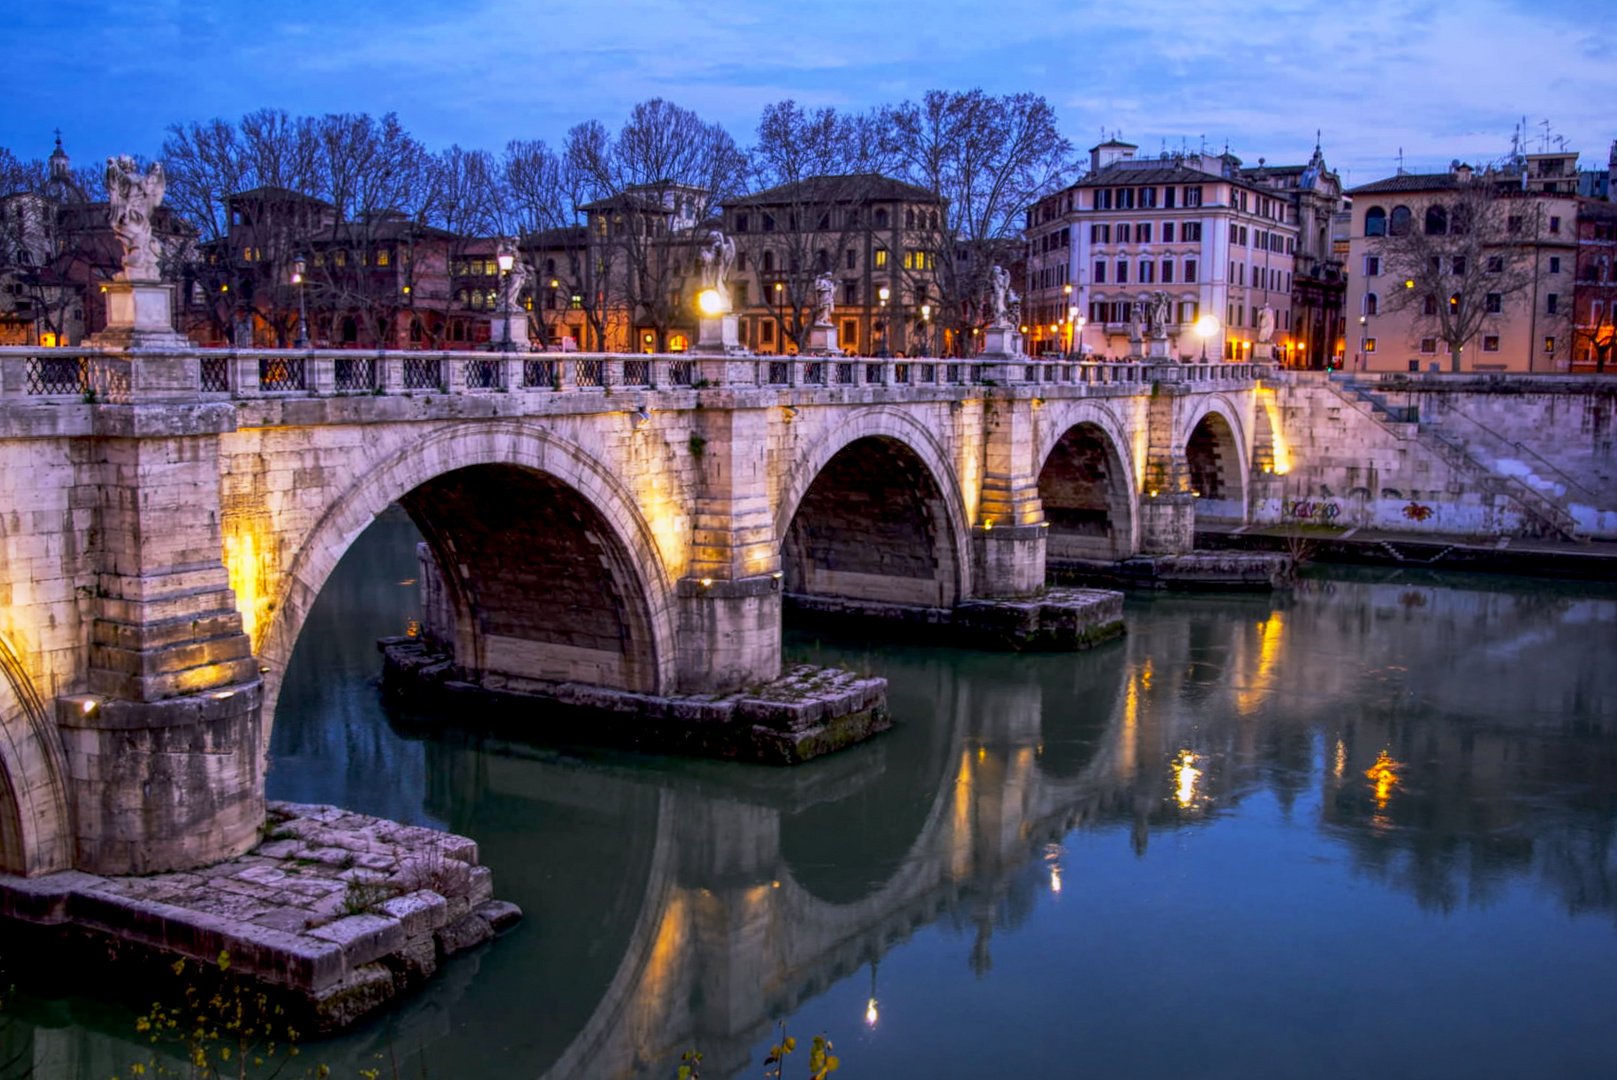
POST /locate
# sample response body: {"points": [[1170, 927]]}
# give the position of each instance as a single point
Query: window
{"points": [[1167, 197], [769, 223], [1122, 272], [1459, 266], [852, 260], [1189, 311], [1490, 343], [1148, 197], [1148, 274], [1549, 342], [1437, 221], [1125, 198], [1401, 221], [1493, 303], [1428, 305], [850, 333], [881, 217], [1555, 264], [768, 265], [742, 221], [1167, 230], [1553, 304], [850, 291], [881, 258], [1428, 345], [1193, 195], [1103, 199], [917, 260], [1235, 233], [1372, 304], [1167, 271], [1142, 231], [1496, 264], [1190, 271], [1100, 272], [1375, 222], [1100, 234], [1513, 224], [1555, 227], [766, 332], [1369, 344], [1191, 232], [1122, 233]]}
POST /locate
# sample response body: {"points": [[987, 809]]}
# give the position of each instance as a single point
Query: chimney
{"points": [[1462, 173]]}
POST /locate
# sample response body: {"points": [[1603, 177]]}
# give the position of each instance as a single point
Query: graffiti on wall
{"points": [[1312, 510]]}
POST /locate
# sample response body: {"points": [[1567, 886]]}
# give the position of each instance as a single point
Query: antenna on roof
{"points": [[1316, 138], [1400, 161]]}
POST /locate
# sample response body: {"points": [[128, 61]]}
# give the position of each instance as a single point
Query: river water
{"points": [[1364, 827]]}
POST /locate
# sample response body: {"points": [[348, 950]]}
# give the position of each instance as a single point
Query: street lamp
{"points": [[506, 260], [926, 328], [298, 267], [884, 293], [1206, 327]]}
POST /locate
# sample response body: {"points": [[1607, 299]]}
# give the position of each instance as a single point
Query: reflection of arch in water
{"points": [[513, 466]]}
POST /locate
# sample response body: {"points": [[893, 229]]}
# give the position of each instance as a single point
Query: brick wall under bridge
{"points": [[634, 522]]}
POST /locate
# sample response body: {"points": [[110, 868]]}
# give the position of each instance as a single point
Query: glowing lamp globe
{"points": [[710, 302]]}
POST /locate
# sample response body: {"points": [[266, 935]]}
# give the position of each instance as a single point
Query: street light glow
{"points": [[506, 260], [710, 303], [1206, 326]]}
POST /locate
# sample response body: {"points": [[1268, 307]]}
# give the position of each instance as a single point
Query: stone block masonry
{"points": [[334, 913]]}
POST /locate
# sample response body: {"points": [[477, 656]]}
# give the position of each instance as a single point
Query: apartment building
{"points": [[1483, 257], [1197, 227]]}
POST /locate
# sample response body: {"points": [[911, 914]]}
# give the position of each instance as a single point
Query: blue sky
{"points": [[1439, 78]]}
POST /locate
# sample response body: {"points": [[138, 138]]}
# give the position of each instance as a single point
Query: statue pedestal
{"points": [[1002, 341], [718, 334], [1158, 350], [139, 317], [823, 339], [512, 326]]}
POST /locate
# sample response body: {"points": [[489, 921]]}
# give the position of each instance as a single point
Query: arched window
{"points": [[1375, 222], [1372, 304], [1437, 221], [881, 217], [909, 219], [1402, 221], [932, 220]]}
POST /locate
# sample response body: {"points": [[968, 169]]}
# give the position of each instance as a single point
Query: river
{"points": [[1363, 827]]}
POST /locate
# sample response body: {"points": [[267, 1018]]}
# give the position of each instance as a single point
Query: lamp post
{"points": [[506, 260], [298, 267], [1072, 318], [884, 293], [1206, 327], [1078, 333], [926, 329]]}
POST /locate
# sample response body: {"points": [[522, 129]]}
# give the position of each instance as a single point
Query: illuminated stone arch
{"points": [[35, 826], [910, 437], [416, 464], [1217, 450]]}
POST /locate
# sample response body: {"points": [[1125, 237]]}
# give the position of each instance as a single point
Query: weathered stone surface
{"points": [[499, 914], [307, 925], [464, 933]]}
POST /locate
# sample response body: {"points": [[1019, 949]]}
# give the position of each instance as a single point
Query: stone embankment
{"points": [[1056, 620], [1246, 571], [334, 912], [807, 712]]}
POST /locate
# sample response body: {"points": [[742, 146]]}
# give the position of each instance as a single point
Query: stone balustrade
{"points": [[108, 375]]}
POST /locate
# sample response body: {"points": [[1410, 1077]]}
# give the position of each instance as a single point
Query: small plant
{"points": [[90, 397], [363, 897], [698, 445], [822, 1062]]}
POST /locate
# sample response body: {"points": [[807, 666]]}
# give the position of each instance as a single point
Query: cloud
{"points": [[1438, 78]]}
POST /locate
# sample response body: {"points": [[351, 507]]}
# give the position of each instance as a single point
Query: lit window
{"points": [[1549, 342], [1490, 343], [1369, 344]]}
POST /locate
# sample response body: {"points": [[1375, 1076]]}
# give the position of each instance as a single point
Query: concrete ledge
{"points": [[1196, 570], [1055, 620], [313, 913], [808, 711]]}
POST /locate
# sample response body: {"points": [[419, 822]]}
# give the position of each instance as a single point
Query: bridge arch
{"points": [[523, 464], [1217, 455], [889, 458], [1087, 485], [35, 830]]}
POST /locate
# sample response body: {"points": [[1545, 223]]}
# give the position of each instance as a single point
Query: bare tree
{"points": [[988, 158], [649, 188], [817, 172], [1461, 259], [544, 196]]}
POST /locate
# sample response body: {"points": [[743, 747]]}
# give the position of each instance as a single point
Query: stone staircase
{"points": [[1453, 449]]}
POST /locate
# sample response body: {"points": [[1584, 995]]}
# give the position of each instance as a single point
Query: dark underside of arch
{"points": [[538, 586], [873, 526], [1084, 497]]}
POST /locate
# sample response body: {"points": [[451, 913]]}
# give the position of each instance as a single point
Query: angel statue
{"points": [[825, 298], [516, 279], [1137, 321], [1161, 309], [1266, 324], [132, 197], [718, 254], [999, 297]]}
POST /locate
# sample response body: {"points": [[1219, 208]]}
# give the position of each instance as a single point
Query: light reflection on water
{"points": [[1365, 824]]}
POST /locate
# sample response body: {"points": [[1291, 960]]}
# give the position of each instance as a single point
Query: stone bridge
{"points": [[629, 522]]}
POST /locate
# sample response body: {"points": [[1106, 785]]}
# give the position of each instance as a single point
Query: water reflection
{"points": [[1433, 740]]}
